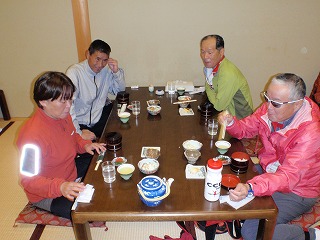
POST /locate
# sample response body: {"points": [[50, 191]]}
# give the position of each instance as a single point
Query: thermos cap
{"points": [[214, 163]]}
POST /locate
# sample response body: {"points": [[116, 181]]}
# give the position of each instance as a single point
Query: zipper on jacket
{"points": [[94, 80]]}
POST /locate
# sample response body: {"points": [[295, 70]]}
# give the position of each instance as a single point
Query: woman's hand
{"points": [[239, 193], [71, 190], [99, 147]]}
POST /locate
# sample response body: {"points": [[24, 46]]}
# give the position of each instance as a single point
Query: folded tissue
{"points": [[235, 205]]}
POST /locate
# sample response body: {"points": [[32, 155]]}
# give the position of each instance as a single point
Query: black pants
{"points": [[61, 206], [97, 129]]}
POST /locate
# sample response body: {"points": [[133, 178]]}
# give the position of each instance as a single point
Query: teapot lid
{"points": [[151, 183]]}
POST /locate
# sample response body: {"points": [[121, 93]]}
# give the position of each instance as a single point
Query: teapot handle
{"points": [[168, 184]]}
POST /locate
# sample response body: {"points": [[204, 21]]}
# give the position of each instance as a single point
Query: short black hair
{"points": [[219, 40], [52, 85], [99, 45]]}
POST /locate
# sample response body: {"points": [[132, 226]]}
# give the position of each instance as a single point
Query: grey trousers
{"points": [[289, 206]]}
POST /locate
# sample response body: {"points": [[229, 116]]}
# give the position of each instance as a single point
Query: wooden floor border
{"points": [[6, 127], [37, 232]]}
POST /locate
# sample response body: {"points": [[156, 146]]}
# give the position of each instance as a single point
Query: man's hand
{"points": [[225, 118], [88, 135], [113, 65], [71, 190], [99, 147], [239, 193]]}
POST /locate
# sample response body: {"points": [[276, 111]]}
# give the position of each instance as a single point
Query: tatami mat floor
{"points": [[13, 200]]}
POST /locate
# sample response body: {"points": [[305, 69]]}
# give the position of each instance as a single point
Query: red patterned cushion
{"points": [[310, 217], [31, 214]]}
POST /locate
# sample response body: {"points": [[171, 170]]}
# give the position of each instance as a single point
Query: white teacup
{"points": [[222, 146]]}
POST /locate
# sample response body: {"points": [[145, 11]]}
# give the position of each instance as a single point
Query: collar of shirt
{"points": [[280, 125], [211, 72], [89, 70]]}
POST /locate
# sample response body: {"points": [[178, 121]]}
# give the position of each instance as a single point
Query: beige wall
{"points": [[157, 41]]}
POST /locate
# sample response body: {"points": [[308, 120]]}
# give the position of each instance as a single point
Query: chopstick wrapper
{"points": [[187, 101], [85, 196], [235, 205]]}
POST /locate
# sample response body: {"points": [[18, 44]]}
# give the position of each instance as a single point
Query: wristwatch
{"points": [[250, 191]]}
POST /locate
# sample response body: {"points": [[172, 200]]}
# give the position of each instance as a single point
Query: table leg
{"points": [[82, 231], [266, 229], [269, 228]]}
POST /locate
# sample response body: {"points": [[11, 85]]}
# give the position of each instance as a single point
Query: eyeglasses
{"points": [[275, 103]]}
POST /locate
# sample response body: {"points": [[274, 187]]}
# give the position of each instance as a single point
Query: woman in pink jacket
{"points": [[289, 128], [49, 182]]}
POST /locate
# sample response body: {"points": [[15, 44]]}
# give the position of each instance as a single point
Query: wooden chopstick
{"points": [[193, 100]]}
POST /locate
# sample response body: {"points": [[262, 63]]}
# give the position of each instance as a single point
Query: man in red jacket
{"points": [[289, 129]]}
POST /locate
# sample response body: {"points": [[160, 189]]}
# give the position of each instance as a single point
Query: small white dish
{"points": [[117, 161], [129, 107], [145, 149], [186, 112], [226, 160], [195, 172]]}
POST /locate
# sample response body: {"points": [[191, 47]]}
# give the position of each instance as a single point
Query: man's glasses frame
{"points": [[275, 103]]}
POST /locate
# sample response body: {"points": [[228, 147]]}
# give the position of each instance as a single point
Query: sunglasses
{"points": [[275, 103]]}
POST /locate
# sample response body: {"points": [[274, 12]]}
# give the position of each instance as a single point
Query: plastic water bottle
{"points": [[213, 180]]}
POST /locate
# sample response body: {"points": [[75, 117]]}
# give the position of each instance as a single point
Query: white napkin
{"points": [[84, 197], [123, 108], [235, 205], [197, 90]]}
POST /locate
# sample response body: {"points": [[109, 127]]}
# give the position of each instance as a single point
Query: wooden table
{"points": [[119, 201]]}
